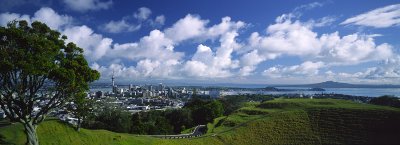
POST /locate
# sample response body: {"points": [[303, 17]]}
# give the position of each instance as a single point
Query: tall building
{"points": [[112, 79], [114, 87]]}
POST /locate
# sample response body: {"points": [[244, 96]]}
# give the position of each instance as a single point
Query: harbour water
{"points": [[368, 92]]}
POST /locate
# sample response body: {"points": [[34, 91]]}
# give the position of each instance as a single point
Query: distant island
{"points": [[332, 84], [274, 89]]}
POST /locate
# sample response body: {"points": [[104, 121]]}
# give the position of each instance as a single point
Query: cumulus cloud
{"points": [[207, 63], [87, 5], [45, 15], [52, 18], [388, 69], [7, 17], [352, 49], [307, 68], [295, 38], [144, 69], [379, 18], [155, 46], [95, 45], [225, 56], [190, 26]]}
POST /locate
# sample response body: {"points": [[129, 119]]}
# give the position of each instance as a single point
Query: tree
{"points": [[80, 108], [137, 125], [214, 109], [204, 112], [38, 70], [180, 119]]}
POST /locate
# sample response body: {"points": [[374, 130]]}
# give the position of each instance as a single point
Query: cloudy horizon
{"points": [[240, 43]]}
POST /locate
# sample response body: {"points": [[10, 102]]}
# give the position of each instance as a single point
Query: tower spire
{"points": [[112, 79]]}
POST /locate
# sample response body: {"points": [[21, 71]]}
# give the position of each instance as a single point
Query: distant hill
{"points": [[332, 84]]}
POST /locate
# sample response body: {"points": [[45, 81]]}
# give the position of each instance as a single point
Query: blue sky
{"points": [[240, 42]]}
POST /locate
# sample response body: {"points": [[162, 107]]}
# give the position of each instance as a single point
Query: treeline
{"points": [[198, 111], [386, 101]]}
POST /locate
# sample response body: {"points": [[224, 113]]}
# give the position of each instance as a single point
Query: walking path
{"points": [[196, 133]]}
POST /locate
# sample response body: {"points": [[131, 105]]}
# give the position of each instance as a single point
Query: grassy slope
{"points": [[281, 121], [56, 132]]}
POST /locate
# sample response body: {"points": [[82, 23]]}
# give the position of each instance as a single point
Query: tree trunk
{"points": [[31, 136], [78, 126]]}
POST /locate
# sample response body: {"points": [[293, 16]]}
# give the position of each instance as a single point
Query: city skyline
{"points": [[263, 42]]}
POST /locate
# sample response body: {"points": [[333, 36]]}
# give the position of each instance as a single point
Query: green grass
{"points": [[280, 121], [54, 132]]}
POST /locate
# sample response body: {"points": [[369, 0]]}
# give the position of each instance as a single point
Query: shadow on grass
{"points": [[4, 122], [3, 142]]}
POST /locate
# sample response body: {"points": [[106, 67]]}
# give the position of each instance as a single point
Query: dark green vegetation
{"points": [[279, 121], [386, 101], [38, 69], [154, 122]]}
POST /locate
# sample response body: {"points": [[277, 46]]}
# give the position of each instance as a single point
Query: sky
{"points": [[227, 41]]}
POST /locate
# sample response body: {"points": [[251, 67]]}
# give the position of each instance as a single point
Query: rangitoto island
{"points": [[274, 89]]}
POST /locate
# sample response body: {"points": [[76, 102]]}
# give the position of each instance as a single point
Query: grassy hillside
{"points": [[280, 121]]}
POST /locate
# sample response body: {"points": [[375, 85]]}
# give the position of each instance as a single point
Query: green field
{"points": [[280, 121]]}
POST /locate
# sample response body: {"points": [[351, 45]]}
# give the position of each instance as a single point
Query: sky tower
{"points": [[112, 79], [114, 87]]}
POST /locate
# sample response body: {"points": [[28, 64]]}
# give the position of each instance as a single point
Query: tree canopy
{"points": [[38, 70]]}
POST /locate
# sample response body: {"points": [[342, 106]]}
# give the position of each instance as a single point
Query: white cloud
{"points": [[159, 20], [226, 25], [143, 13], [118, 70], [86, 5], [298, 11], [52, 18], [379, 18], [287, 37], [95, 45], [186, 28], [298, 39], [7, 17], [120, 26], [307, 68], [352, 49], [206, 63], [308, 6], [249, 62], [154, 55], [144, 69], [45, 15], [155, 46], [322, 22], [133, 22], [388, 69]]}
